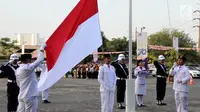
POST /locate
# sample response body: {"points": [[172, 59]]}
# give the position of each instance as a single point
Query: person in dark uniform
{"points": [[161, 79], [8, 70], [122, 74]]}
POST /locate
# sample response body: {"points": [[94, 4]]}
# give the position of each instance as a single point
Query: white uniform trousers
{"points": [[28, 105], [181, 99], [45, 94], [107, 101]]}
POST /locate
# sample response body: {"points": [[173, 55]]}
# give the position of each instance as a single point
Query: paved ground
{"points": [[82, 95]]}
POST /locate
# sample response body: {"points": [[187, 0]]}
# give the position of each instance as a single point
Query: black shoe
{"points": [[139, 105], [143, 105], [158, 103], [46, 101], [163, 103], [120, 106], [123, 107]]}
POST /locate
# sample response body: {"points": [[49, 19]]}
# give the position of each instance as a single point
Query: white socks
{"points": [[139, 99]]}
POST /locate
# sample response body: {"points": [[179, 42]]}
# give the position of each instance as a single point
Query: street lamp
{"points": [[23, 47]]}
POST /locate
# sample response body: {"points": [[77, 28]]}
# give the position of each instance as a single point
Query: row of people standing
{"points": [[85, 71], [111, 76]]}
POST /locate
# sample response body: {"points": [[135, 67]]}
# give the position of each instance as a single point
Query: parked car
{"points": [[194, 72], [152, 69], [195, 66]]}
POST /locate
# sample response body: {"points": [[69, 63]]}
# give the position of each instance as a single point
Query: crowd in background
{"points": [[84, 71]]}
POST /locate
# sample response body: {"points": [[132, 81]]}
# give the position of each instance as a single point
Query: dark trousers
{"points": [[161, 88], [79, 75], [84, 75], [121, 88], [12, 94]]}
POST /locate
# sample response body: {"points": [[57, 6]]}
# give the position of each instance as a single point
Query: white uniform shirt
{"points": [[107, 78], [181, 78], [26, 78], [141, 75]]}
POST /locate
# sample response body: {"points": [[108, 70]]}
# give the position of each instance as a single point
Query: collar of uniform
{"points": [[138, 67], [107, 65], [180, 66]]}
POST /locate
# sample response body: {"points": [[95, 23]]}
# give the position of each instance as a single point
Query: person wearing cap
{"points": [[181, 78], [107, 80], [8, 70], [27, 82], [140, 82], [122, 74], [161, 79]]}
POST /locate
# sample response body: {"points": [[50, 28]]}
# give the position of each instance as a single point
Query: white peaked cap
{"points": [[120, 57], [14, 57], [161, 57]]}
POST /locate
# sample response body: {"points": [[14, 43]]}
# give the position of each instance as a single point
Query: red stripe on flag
{"points": [[82, 11]]}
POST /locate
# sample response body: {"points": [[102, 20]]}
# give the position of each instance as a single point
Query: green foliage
{"points": [[118, 44], [165, 38], [7, 46], [170, 57]]}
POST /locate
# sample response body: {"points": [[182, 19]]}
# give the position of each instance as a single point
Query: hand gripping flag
{"points": [[77, 37]]}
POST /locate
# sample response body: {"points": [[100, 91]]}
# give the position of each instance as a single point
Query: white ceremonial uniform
{"points": [[45, 93], [107, 80], [28, 84], [181, 79], [140, 81]]}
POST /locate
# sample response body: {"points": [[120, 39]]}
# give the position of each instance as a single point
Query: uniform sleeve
{"points": [[100, 76], [136, 72], [35, 64], [115, 79], [156, 64], [187, 76], [4, 70], [172, 70]]}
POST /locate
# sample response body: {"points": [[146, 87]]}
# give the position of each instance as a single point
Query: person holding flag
{"points": [[107, 80], [27, 82]]}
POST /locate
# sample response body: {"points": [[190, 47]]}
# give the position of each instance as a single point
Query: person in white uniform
{"points": [[27, 82], [181, 78], [107, 80], [45, 93], [140, 83]]}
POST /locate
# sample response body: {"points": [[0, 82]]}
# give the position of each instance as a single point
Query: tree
{"points": [[164, 38], [7, 46]]}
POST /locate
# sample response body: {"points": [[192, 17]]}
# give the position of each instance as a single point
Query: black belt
{"points": [[12, 81], [160, 76]]}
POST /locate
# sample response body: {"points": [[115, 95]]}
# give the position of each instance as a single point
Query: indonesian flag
{"points": [[78, 36]]}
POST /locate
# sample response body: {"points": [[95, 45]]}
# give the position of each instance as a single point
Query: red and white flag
{"points": [[78, 36]]}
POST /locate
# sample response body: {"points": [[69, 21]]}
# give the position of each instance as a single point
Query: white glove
{"points": [[179, 81], [43, 46]]}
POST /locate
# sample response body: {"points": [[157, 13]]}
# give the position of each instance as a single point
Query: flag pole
{"points": [[130, 92]]}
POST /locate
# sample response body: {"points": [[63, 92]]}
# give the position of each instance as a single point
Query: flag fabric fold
{"points": [[77, 37]]}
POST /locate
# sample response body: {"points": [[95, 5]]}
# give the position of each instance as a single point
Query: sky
{"points": [[44, 16]]}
